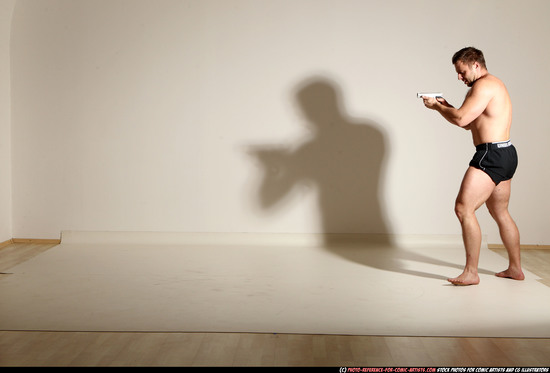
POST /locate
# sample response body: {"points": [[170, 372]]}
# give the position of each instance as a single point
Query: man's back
{"points": [[493, 124]]}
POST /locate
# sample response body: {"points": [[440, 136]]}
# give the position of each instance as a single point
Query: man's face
{"points": [[466, 73]]}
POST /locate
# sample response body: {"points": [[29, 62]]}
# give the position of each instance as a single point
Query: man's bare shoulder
{"points": [[489, 85], [488, 82]]}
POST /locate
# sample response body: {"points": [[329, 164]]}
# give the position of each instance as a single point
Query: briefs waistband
{"points": [[494, 145]]}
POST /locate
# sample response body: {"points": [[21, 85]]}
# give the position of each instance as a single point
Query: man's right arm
{"points": [[475, 103]]}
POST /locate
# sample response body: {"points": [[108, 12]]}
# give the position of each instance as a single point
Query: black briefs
{"points": [[499, 160]]}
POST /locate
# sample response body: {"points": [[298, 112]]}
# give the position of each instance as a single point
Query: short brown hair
{"points": [[469, 55]]}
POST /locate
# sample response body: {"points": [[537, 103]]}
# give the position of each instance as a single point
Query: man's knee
{"points": [[492, 211], [461, 210], [498, 213]]}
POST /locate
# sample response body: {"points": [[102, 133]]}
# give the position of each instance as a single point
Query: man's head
{"points": [[469, 64]]}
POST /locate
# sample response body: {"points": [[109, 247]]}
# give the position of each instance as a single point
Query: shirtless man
{"points": [[487, 113]]}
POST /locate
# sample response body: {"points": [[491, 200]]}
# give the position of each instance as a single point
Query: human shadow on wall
{"points": [[343, 160]]}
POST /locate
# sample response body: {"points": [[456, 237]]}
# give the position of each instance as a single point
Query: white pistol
{"points": [[429, 94]]}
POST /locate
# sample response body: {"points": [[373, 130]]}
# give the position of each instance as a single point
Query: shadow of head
{"points": [[320, 101]]}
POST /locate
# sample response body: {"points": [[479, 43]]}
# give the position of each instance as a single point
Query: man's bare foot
{"points": [[515, 274], [465, 279]]}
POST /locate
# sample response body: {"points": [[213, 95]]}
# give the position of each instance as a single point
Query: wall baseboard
{"points": [[6, 243], [523, 247], [58, 241], [36, 240], [42, 241]]}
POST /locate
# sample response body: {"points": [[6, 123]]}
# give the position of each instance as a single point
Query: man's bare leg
{"points": [[509, 233], [476, 188]]}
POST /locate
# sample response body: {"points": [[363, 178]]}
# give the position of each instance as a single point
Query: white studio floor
{"points": [[267, 284]]}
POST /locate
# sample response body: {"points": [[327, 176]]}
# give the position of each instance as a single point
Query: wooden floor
{"points": [[241, 349]]}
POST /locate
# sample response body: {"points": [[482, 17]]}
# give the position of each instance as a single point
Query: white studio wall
{"points": [[6, 10], [292, 116]]}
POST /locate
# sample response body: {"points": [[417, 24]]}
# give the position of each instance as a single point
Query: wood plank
{"points": [[6, 243], [17, 253]]}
